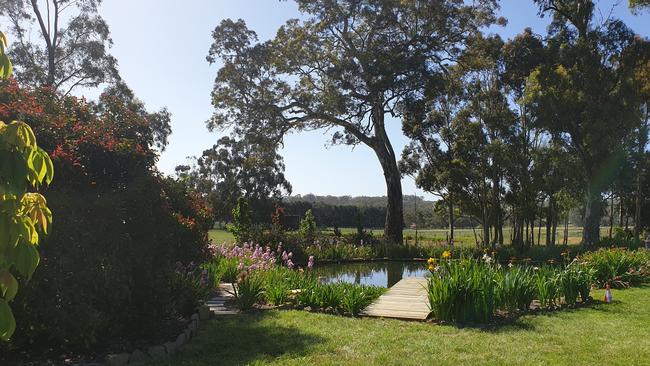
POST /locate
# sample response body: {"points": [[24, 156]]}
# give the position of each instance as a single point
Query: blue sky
{"points": [[161, 47]]}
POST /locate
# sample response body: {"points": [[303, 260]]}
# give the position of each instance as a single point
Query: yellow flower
{"points": [[431, 268], [431, 261], [446, 254]]}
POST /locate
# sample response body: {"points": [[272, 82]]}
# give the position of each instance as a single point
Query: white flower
{"points": [[487, 258]]}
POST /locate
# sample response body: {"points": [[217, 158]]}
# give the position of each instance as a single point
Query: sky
{"points": [[161, 47]]}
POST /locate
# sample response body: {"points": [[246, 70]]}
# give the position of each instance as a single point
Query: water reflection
{"points": [[384, 274]]}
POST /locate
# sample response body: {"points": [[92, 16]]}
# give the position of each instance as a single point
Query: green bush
{"points": [[242, 221], [307, 227], [618, 267]]}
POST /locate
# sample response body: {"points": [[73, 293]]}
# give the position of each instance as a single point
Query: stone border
{"points": [[157, 351]]}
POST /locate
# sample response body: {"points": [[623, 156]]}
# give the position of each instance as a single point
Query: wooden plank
{"points": [[407, 299]]}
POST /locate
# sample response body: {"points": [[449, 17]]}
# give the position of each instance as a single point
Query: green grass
{"points": [[220, 236], [463, 237], [614, 334]]}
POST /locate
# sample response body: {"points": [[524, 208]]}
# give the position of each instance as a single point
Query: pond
{"points": [[384, 274]]}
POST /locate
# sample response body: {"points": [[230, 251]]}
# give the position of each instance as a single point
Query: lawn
{"points": [[615, 334]]}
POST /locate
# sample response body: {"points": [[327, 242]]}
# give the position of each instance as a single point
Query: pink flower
{"points": [[310, 263]]}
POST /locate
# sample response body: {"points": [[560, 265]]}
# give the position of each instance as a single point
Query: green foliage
{"points": [[75, 30], [463, 291], [472, 291], [23, 214], [516, 288], [545, 278], [308, 226], [242, 222], [248, 289], [5, 63], [355, 298], [110, 265], [618, 267]]}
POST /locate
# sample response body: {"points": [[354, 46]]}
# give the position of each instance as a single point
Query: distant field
{"points": [[462, 236]]}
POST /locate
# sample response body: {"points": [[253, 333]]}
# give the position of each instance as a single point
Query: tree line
{"points": [[517, 132]]}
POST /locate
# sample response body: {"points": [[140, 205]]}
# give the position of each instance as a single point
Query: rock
{"points": [[180, 340], [157, 352], [139, 356], [171, 347], [117, 359], [204, 312]]}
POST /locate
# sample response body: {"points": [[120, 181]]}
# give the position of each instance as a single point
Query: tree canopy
{"points": [[345, 66]]}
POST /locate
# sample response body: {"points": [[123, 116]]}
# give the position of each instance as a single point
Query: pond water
{"points": [[384, 274]]}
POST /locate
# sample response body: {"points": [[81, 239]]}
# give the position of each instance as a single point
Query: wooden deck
{"points": [[407, 299]]}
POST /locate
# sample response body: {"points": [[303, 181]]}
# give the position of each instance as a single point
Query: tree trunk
{"points": [[549, 223], [643, 141], [451, 220], [611, 215], [591, 230], [393, 228]]}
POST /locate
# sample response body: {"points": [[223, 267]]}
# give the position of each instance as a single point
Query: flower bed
{"points": [[470, 290], [264, 277]]}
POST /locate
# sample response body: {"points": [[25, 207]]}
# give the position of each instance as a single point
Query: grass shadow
{"points": [[243, 339]]}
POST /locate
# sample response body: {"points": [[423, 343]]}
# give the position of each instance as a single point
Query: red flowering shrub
{"points": [[107, 267]]}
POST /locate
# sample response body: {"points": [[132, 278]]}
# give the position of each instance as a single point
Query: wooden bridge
{"points": [[407, 299]]}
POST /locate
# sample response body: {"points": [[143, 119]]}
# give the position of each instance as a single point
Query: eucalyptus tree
{"points": [[585, 97], [638, 5], [520, 56], [345, 65], [642, 79], [432, 126], [238, 168], [60, 43]]}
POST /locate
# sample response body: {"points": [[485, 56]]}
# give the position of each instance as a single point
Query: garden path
{"points": [[218, 305], [407, 299]]}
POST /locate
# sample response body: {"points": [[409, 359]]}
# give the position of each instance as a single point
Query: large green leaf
{"points": [[8, 285], [7, 321], [25, 258]]}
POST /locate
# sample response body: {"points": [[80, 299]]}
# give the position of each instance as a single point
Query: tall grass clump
{"points": [[516, 288], [248, 290], [547, 290], [619, 267], [463, 291]]}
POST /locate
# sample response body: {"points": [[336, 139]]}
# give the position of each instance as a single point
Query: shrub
{"points": [[107, 268], [242, 221], [618, 267], [308, 226]]}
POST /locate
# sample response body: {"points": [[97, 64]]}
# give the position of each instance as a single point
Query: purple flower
{"points": [[310, 263]]}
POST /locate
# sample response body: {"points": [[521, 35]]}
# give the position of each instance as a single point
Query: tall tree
{"points": [[238, 168], [60, 43], [585, 97], [430, 156], [346, 65]]}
